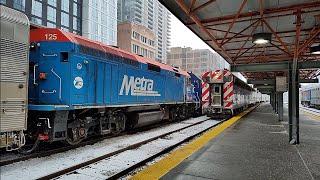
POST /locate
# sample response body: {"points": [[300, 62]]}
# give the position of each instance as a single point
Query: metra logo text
{"points": [[137, 87]]}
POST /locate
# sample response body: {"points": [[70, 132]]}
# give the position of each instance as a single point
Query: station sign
{"points": [[281, 84]]}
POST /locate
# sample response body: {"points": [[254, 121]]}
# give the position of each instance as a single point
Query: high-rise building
{"points": [[137, 39], [195, 60], [99, 20], [96, 20], [151, 14]]}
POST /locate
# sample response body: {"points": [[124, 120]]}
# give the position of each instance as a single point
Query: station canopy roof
{"points": [[228, 27]]}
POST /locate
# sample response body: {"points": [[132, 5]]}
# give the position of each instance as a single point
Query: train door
{"points": [[216, 95]]}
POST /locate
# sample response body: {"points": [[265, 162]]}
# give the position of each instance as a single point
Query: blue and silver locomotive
{"points": [[79, 88]]}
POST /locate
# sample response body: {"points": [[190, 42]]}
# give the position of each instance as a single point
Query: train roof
{"points": [[39, 35]]}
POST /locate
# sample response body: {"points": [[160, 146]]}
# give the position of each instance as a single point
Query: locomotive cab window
{"points": [[153, 67], [64, 56]]}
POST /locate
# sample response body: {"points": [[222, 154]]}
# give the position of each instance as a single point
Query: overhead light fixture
{"points": [[315, 49], [261, 38]]}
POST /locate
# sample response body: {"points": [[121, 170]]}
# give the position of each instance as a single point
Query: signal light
{"points": [[42, 76]]}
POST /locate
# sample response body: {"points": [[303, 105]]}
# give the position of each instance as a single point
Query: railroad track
{"points": [[46, 167], [16, 157], [313, 111], [71, 170]]}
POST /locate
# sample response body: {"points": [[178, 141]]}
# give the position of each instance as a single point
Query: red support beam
{"points": [[276, 35], [256, 18], [224, 42], [202, 6], [265, 12], [234, 19], [191, 6], [313, 36], [205, 30], [220, 30]]}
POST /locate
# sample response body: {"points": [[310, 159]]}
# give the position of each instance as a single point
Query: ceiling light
{"points": [[261, 38], [315, 49]]}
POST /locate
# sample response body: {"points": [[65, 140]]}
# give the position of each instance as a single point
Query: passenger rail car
{"points": [[310, 97], [79, 87], [223, 94], [14, 53]]}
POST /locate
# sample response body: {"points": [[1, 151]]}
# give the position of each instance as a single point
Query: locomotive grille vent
{"points": [[13, 61]]}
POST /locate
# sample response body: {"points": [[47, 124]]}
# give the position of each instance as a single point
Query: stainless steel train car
{"points": [[310, 97], [223, 94], [14, 54]]}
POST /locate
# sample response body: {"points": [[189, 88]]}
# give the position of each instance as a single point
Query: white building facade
{"points": [[99, 20]]}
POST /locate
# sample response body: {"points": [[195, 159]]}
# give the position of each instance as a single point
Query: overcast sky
{"points": [[183, 37]]}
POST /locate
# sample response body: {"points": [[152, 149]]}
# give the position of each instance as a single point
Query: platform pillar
{"points": [[290, 104], [294, 107], [276, 102], [280, 100]]}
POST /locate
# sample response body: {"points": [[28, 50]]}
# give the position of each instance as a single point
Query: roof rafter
{"points": [[202, 6], [205, 30]]}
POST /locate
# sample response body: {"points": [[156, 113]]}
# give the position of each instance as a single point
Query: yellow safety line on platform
{"points": [[316, 117], [162, 167]]}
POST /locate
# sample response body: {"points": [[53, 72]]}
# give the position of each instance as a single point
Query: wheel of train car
{"points": [[174, 116], [75, 135], [118, 123]]}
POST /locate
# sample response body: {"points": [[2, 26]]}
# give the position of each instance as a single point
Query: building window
{"points": [[75, 9], [51, 14], [143, 39], [65, 5], [36, 20], [51, 25], [76, 24], [36, 8], [135, 35], [64, 19], [19, 4], [136, 49], [52, 3]]}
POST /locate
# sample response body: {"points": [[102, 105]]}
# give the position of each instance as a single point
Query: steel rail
{"points": [[133, 146], [47, 152]]}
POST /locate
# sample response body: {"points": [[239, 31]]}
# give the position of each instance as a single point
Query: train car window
{"points": [[64, 56], [216, 89], [153, 67]]}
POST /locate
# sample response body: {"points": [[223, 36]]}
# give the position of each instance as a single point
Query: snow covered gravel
{"points": [[106, 168], [39, 167]]}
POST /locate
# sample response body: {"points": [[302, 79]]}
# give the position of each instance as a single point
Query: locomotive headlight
{"points": [[78, 82]]}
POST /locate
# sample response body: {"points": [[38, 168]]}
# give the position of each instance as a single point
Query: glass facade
{"points": [[36, 8], [19, 4], [100, 21], [64, 14]]}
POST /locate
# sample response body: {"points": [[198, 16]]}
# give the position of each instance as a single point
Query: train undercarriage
{"points": [[74, 126]]}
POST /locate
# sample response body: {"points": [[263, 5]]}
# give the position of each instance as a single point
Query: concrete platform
{"points": [[256, 147]]}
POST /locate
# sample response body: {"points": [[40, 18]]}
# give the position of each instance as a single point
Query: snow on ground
{"points": [[311, 110], [39, 167], [108, 167]]}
